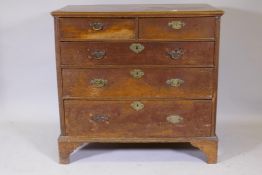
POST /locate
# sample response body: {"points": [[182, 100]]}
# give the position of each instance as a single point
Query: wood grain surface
{"points": [[154, 53], [93, 42], [194, 28], [198, 83], [125, 122], [81, 29]]}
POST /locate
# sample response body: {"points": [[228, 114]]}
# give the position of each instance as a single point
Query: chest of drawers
{"points": [[137, 73]]}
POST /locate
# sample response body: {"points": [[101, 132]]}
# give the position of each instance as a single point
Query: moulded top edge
{"points": [[138, 10]]}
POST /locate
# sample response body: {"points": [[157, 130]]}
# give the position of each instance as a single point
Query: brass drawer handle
{"points": [[174, 82], [136, 47], [137, 105], [176, 54], [176, 25], [99, 54], [174, 119], [98, 82], [100, 118], [96, 26], [137, 73]]}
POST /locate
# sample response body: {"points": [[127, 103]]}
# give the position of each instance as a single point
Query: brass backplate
{"points": [[98, 82], [175, 119], [174, 82], [176, 25]]}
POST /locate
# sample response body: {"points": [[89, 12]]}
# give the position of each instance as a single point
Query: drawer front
{"points": [[96, 28], [151, 53], [118, 119], [192, 83], [177, 28]]}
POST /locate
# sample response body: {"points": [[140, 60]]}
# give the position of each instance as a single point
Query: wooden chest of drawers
{"points": [[137, 73]]}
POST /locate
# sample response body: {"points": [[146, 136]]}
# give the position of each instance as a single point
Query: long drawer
{"points": [[123, 119], [193, 83], [146, 53]]}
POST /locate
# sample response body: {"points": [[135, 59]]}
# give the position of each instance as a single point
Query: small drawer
{"points": [[96, 28], [150, 53], [138, 119], [192, 83], [177, 28]]}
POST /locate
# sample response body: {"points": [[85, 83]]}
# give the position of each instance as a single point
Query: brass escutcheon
{"points": [[97, 82], [175, 119], [176, 25], [174, 82], [137, 73], [137, 105], [137, 47]]}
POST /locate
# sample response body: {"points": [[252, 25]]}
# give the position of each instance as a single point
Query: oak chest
{"points": [[137, 73]]}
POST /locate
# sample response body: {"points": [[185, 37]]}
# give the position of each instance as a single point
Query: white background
{"points": [[29, 121]]}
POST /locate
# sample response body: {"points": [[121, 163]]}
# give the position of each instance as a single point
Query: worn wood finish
{"points": [[206, 144], [81, 28], [147, 122], [208, 147], [158, 28], [105, 114], [216, 61], [154, 53], [197, 83], [65, 149], [59, 78], [140, 10]]}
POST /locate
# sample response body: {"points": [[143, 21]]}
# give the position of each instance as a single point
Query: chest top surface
{"points": [[138, 10]]}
